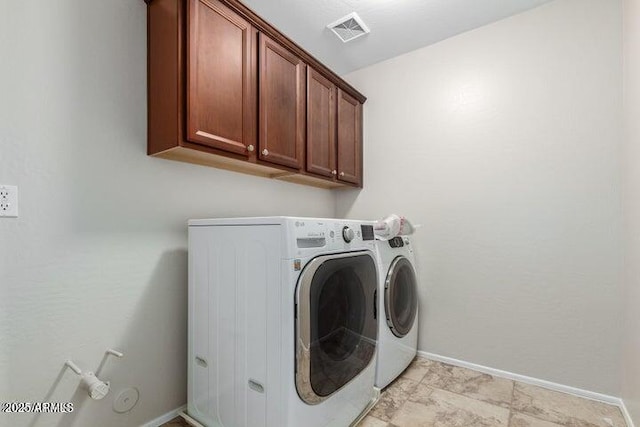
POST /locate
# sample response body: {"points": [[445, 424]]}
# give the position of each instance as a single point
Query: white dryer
{"points": [[282, 321], [398, 302]]}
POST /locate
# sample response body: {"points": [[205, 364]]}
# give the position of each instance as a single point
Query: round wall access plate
{"points": [[126, 400]]}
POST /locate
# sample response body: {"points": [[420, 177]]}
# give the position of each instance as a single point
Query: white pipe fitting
{"points": [[115, 353], [97, 389], [75, 368]]}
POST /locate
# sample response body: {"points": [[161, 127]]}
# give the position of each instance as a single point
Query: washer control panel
{"points": [[331, 235], [348, 234], [310, 234], [367, 232]]}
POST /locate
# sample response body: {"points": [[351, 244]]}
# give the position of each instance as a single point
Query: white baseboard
{"points": [[157, 422], [626, 414], [612, 400]]}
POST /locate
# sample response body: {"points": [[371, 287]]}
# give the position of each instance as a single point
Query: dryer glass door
{"points": [[400, 296], [336, 323]]}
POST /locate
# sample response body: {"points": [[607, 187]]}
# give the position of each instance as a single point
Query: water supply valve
{"points": [[96, 388]]}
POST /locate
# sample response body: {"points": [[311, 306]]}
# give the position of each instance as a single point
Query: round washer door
{"points": [[336, 324], [400, 297]]}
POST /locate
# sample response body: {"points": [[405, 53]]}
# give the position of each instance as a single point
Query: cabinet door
{"points": [[282, 105], [221, 82], [321, 124], [349, 139]]}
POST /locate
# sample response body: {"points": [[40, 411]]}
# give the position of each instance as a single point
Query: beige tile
{"points": [[564, 409], [421, 394], [176, 422], [371, 421], [417, 369], [490, 389], [522, 420], [392, 398], [446, 409]]}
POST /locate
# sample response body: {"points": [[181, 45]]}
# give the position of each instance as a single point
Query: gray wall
{"points": [[98, 257], [504, 144], [631, 353]]}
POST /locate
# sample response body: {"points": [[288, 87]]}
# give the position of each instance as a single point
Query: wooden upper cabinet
{"points": [[227, 89], [349, 139], [282, 105], [321, 124], [221, 78]]}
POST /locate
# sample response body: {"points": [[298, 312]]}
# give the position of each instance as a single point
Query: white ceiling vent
{"points": [[349, 27]]}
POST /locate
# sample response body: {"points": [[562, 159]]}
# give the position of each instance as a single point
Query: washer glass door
{"points": [[336, 323], [400, 296]]}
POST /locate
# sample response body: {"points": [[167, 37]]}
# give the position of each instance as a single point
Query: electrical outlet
{"points": [[8, 201]]}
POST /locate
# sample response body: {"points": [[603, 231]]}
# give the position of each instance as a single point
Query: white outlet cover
{"points": [[8, 201], [126, 400]]}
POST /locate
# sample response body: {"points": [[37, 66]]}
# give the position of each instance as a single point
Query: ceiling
{"points": [[397, 26]]}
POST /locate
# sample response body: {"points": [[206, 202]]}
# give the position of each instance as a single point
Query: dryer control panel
{"points": [[396, 242]]}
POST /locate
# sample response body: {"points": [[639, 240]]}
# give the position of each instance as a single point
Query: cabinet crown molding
{"points": [[264, 27]]}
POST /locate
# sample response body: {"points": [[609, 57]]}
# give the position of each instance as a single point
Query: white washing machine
{"points": [[398, 302], [282, 321]]}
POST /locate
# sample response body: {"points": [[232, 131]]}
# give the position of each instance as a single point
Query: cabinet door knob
{"points": [[341, 173], [334, 172], [250, 148], [265, 152]]}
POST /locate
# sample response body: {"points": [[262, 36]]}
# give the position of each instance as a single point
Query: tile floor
{"points": [[433, 394], [176, 422]]}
